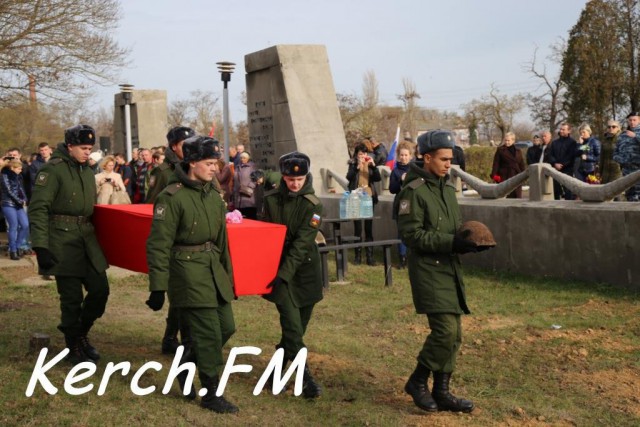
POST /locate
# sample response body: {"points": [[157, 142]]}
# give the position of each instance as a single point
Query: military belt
{"points": [[70, 219], [206, 246]]}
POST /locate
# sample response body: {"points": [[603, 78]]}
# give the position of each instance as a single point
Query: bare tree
{"points": [[493, 112], [198, 112], [547, 109], [56, 47], [409, 99]]}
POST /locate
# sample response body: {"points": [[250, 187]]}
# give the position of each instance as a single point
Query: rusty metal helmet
{"points": [[478, 233]]}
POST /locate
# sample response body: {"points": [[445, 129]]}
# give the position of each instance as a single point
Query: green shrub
{"points": [[479, 161]]}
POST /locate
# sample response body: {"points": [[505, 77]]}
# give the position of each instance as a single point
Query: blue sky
{"points": [[452, 50]]}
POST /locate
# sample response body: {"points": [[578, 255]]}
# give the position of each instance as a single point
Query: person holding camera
{"points": [[65, 242], [189, 259], [362, 173], [109, 185]]}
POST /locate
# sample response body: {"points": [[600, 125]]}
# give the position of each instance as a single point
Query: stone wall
{"points": [[594, 242]]}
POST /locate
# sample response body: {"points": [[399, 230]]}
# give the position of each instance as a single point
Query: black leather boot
{"points": [[170, 341], [370, 260], [212, 402], [76, 355], [14, 256], [310, 388], [187, 356], [418, 389], [445, 400], [358, 259], [85, 345]]}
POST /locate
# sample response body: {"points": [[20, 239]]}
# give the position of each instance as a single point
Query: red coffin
{"points": [[254, 246]]}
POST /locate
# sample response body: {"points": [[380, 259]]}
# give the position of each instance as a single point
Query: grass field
{"points": [[362, 339]]}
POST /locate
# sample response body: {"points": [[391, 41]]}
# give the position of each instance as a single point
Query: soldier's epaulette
{"points": [[271, 192], [164, 166], [312, 198], [173, 188], [415, 183], [450, 184], [56, 161]]}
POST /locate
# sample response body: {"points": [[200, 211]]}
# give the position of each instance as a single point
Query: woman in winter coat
{"points": [[588, 154], [507, 163], [243, 188], [109, 181], [403, 155], [13, 201], [362, 174]]}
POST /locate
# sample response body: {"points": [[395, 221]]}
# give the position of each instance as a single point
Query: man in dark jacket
{"points": [[44, 154], [65, 242], [562, 155], [627, 153], [534, 152], [379, 153], [298, 286], [428, 218]]}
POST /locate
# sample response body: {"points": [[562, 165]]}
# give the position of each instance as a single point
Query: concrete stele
{"points": [[292, 105]]}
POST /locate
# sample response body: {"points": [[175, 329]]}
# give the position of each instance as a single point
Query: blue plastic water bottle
{"points": [[366, 205], [344, 205]]}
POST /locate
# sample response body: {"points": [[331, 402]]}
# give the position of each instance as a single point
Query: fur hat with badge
{"points": [[80, 135], [198, 148], [179, 133], [294, 164]]}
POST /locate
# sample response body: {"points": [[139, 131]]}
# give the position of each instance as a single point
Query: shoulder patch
{"points": [[312, 198], [42, 178], [404, 207], [416, 183], [173, 188], [315, 221], [159, 211]]}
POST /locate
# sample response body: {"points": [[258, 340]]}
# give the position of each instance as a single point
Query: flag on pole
{"points": [[213, 129], [391, 157]]}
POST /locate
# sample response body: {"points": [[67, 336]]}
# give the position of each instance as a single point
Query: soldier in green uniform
{"points": [[188, 258], [65, 242], [158, 181], [428, 217], [298, 285]]}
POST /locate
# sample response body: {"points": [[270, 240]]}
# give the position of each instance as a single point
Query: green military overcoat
{"points": [[300, 261], [188, 213], [428, 217], [65, 187]]}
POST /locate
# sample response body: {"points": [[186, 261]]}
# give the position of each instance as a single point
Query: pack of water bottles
{"points": [[356, 204]]}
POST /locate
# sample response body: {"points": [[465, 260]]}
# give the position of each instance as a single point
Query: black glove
{"points": [[275, 283], [461, 245], [156, 300], [46, 259]]}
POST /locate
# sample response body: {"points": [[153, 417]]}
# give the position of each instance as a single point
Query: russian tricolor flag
{"points": [[391, 157]]}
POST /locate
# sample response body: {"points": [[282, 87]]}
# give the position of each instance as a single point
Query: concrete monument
{"points": [[291, 105], [148, 120]]}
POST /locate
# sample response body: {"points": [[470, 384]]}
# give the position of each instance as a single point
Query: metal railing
{"points": [[540, 177]]}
